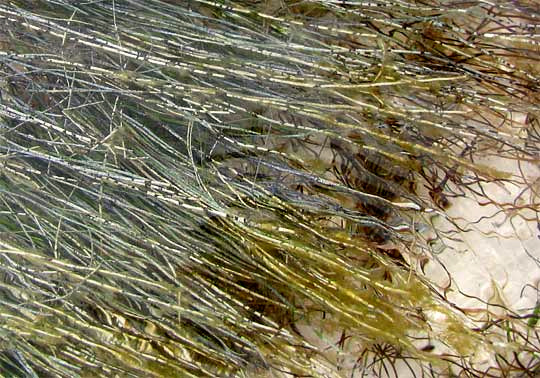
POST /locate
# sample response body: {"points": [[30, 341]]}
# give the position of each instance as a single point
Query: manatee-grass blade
{"points": [[182, 182]]}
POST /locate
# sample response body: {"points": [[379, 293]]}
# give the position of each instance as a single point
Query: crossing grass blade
{"points": [[183, 183]]}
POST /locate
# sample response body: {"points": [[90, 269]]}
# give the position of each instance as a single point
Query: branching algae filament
{"points": [[269, 188]]}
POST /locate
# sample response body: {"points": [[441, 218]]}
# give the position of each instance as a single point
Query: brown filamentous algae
{"points": [[198, 188]]}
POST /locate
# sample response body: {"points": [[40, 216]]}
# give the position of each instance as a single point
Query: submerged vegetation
{"points": [[184, 183]]}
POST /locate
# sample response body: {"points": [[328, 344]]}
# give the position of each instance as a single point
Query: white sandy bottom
{"points": [[494, 266]]}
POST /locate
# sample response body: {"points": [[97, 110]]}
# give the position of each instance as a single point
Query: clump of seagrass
{"points": [[183, 181]]}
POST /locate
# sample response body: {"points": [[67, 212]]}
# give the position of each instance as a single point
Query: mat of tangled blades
{"points": [[197, 188]]}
